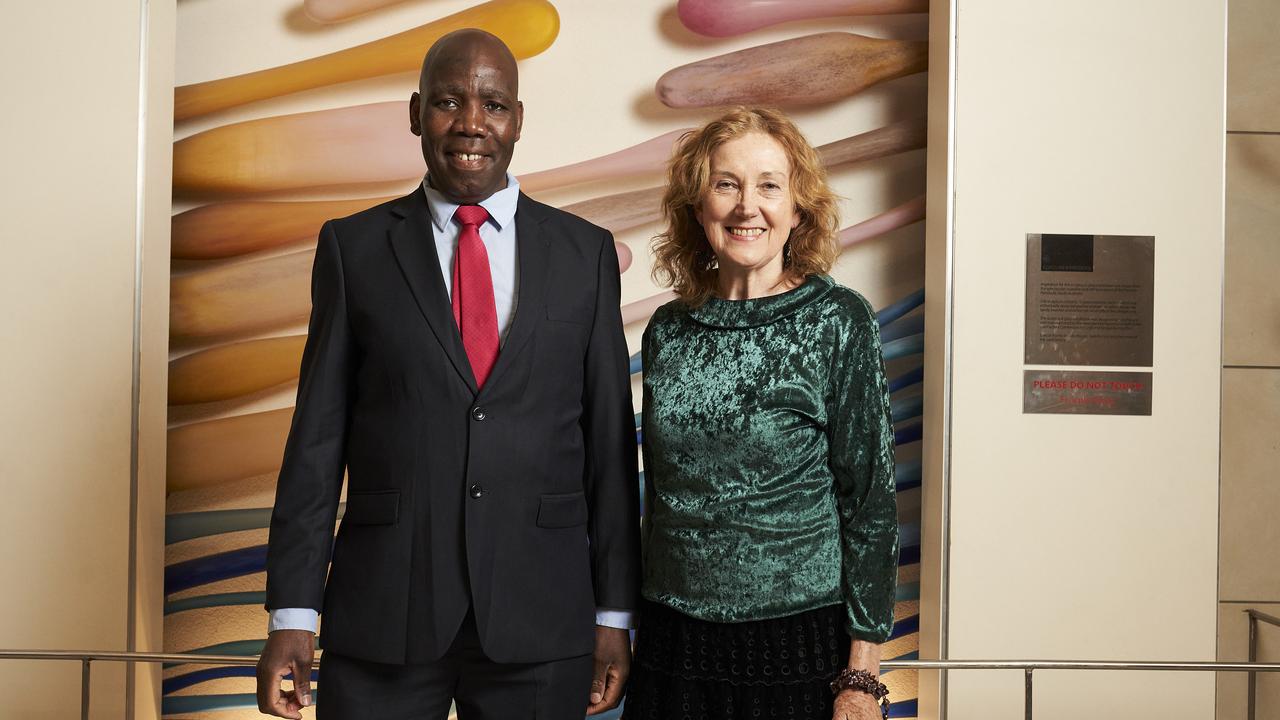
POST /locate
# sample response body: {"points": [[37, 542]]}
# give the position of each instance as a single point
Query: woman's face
{"points": [[747, 211]]}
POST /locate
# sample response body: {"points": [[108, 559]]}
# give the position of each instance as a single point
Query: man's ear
{"points": [[415, 125], [519, 118]]}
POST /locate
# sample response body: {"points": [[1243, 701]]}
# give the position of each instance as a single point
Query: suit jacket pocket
{"points": [[377, 507], [569, 313], [562, 510]]}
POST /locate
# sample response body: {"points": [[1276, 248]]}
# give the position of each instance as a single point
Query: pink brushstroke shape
{"points": [[648, 156], [723, 18]]}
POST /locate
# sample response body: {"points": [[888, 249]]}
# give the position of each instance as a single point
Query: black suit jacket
{"points": [[520, 499]]}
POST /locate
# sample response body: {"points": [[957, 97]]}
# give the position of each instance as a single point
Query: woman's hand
{"points": [[855, 705]]}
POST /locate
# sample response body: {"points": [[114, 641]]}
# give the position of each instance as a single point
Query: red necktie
{"points": [[473, 305]]}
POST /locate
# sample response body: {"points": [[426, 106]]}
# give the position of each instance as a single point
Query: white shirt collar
{"points": [[501, 205]]}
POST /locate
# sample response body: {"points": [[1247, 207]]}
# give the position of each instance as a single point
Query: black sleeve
{"points": [[311, 474], [608, 426]]}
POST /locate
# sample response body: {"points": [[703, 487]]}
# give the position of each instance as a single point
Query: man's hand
{"points": [[287, 651], [855, 705], [612, 666]]}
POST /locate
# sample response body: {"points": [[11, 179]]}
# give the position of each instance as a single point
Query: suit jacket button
{"points": [[477, 414], [476, 491]]}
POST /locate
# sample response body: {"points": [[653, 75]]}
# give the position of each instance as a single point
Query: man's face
{"points": [[469, 119]]}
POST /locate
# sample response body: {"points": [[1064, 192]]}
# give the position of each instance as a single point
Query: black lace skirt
{"points": [[778, 669]]}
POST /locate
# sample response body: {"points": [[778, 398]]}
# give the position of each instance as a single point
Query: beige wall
{"points": [[1080, 537], [1250, 575], [68, 218]]}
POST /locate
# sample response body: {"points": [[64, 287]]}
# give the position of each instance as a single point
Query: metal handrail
{"points": [[1254, 617], [1027, 666], [122, 656]]}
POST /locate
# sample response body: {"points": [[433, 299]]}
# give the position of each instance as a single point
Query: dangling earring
{"points": [[786, 254]]}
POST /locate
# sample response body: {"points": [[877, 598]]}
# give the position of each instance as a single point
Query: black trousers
{"points": [[353, 689]]}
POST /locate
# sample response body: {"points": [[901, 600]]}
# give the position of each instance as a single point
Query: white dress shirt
{"points": [[499, 237]]}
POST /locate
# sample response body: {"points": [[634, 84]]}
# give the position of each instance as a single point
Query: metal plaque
{"points": [[1086, 392], [1089, 299]]}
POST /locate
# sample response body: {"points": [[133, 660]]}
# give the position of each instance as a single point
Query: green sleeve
{"points": [[646, 454], [860, 431]]}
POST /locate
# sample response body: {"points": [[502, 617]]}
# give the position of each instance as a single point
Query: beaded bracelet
{"points": [[863, 681]]}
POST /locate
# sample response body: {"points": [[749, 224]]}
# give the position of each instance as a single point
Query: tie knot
{"points": [[473, 215]]}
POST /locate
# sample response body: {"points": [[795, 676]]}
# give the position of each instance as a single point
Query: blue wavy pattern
{"points": [[909, 555], [904, 709], [906, 408], [913, 325], [894, 311], [907, 379], [212, 568], [907, 591], [908, 533], [909, 434], [903, 347], [186, 526], [189, 526], [907, 474], [215, 600], [905, 626]]}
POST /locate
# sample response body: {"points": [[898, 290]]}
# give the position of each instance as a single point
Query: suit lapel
{"points": [[533, 258], [413, 241]]}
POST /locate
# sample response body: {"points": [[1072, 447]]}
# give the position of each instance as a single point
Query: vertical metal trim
{"points": [[1222, 356], [85, 682], [1253, 657], [1028, 699], [139, 225], [944, 600]]}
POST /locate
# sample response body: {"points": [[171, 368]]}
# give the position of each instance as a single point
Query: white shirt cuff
{"points": [[293, 619], [307, 619], [620, 619]]}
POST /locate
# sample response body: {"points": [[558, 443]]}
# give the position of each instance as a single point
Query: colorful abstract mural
{"points": [[291, 113]]}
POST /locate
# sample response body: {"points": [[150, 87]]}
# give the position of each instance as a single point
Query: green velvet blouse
{"points": [[768, 457]]}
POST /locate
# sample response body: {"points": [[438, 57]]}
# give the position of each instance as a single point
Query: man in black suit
{"points": [[489, 451]]}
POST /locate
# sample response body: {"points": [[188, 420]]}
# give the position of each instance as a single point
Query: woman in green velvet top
{"points": [[770, 536]]}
